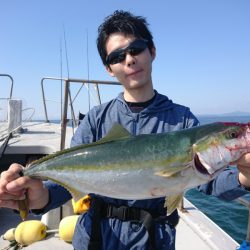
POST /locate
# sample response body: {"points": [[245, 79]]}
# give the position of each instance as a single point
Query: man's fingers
{"points": [[13, 187], [12, 173], [8, 176], [9, 204], [18, 184], [8, 196], [245, 160], [244, 169]]}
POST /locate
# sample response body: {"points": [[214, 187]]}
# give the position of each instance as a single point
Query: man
{"points": [[127, 50]]}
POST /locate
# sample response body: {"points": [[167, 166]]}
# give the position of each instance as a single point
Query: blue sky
{"points": [[203, 50]]}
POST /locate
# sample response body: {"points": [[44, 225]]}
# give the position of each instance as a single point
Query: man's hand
{"points": [[14, 188], [243, 165]]}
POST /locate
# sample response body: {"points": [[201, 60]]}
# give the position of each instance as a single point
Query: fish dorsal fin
{"points": [[115, 133]]}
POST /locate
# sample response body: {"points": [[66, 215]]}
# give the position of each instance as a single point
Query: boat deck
{"points": [[35, 138], [194, 232]]}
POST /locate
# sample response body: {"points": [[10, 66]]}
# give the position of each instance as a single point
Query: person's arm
{"points": [[226, 186], [57, 196]]}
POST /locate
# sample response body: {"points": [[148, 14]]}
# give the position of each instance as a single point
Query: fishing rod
{"points": [[83, 84], [95, 85], [61, 70], [88, 69], [87, 85], [69, 92]]}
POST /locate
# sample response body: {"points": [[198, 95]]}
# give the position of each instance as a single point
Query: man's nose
{"points": [[130, 60]]}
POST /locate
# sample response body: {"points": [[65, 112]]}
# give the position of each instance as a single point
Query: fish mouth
{"points": [[199, 166], [203, 169]]}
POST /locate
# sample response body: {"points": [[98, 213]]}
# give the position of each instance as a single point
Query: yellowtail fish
{"points": [[145, 166]]}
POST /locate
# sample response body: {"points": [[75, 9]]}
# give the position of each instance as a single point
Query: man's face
{"points": [[134, 72]]}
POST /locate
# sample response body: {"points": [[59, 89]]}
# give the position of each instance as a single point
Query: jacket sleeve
{"points": [[190, 120], [226, 186], [58, 195]]}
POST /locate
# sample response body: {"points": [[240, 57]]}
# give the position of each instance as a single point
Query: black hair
{"points": [[125, 23]]}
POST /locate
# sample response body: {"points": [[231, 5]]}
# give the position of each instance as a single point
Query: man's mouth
{"points": [[134, 73]]}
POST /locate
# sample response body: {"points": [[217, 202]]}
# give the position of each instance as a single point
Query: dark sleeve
{"points": [[58, 195], [226, 186]]}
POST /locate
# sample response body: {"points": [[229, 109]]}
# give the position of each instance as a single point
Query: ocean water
{"points": [[231, 216]]}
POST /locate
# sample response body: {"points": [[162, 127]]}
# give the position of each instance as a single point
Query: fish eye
{"points": [[233, 134]]}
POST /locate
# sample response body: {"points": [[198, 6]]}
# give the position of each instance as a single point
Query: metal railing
{"points": [[11, 86], [6, 98], [67, 97]]}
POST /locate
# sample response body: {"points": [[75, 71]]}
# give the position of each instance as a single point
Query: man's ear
{"points": [[153, 53], [109, 71]]}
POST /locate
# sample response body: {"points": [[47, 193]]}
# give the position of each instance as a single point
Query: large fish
{"points": [[145, 166]]}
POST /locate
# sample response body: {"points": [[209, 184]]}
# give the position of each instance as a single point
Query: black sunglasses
{"points": [[134, 48]]}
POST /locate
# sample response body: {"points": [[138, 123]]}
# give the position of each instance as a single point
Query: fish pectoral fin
{"points": [[172, 202], [165, 173], [169, 172], [172, 171], [116, 132]]}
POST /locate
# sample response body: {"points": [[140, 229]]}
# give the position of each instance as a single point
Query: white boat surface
{"points": [[194, 231]]}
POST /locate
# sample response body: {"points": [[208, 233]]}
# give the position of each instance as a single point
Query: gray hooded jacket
{"points": [[162, 115]]}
